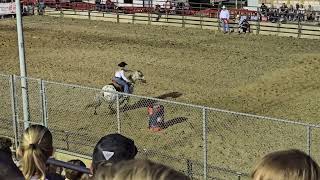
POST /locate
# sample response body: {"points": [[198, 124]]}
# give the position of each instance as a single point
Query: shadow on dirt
{"points": [[148, 102], [173, 121]]}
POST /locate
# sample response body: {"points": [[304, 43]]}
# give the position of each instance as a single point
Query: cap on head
{"points": [[113, 148], [122, 64], [223, 7]]}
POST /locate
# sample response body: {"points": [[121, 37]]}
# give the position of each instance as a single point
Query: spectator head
{"points": [[8, 169], [74, 175], [286, 165], [224, 7], [35, 149], [113, 148], [138, 169]]}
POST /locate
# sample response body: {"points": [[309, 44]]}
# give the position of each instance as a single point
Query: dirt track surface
{"points": [[264, 75]]}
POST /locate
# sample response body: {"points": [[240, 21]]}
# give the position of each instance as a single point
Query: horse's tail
{"points": [[96, 103], [93, 104]]}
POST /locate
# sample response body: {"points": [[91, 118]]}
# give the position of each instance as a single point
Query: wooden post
{"points": [[133, 17], [149, 18], [258, 26], [89, 15], [299, 29], [278, 27], [201, 19], [183, 22], [118, 19]]}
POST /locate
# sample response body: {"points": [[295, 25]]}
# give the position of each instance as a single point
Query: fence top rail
{"points": [[189, 105]]}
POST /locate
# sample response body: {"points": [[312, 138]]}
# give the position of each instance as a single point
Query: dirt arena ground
{"points": [[263, 75]]}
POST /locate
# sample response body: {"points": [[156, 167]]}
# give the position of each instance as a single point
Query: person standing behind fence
{"points": [[224, 18], [286, 165], [34, 151]]}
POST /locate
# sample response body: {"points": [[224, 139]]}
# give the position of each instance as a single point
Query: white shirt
{"points": [[120, 74], [224, 14]]}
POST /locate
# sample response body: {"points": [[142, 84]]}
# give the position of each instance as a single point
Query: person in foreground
{"points": [[34, 151], [286, 165], [138, 169], [8, 169], [112, 149]]}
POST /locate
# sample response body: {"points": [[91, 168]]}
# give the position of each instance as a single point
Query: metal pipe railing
{"points": [[68, 166]]}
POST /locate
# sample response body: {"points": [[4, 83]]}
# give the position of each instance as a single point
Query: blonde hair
{"points": [[35, 149], [137, 170], [286, 165]]}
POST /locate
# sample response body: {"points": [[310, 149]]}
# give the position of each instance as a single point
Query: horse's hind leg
{"points": [[98, 104], [95, 111], [112, 110]]}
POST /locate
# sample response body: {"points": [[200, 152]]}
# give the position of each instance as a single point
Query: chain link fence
{"points": [[204, 143], [6, 119]]}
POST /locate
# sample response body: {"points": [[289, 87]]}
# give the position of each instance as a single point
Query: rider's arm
{"points": [[124, 77]]}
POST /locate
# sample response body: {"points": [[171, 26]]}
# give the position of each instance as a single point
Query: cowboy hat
{"points": [[122, 64]]}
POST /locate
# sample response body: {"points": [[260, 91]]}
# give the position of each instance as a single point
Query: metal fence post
{"points": [[309, 140], [118, 114], [43, 103], [205, 150], [15, 122]]}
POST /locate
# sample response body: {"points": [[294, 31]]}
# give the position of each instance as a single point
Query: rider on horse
{"points": [[120, 78]]}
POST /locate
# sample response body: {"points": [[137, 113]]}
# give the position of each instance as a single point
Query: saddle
{"points": [[118, 87]]}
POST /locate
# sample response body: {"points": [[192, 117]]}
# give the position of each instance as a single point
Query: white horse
{"points": [[107, 92]]}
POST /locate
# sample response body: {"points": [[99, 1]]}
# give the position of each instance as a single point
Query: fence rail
{"points": [[203, 142], [293, 29]]}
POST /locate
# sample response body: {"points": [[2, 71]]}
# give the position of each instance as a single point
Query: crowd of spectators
{"points": [[113, 158], [288, 13]]}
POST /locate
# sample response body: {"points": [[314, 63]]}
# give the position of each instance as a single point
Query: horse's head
{"points": [[137, 76]]}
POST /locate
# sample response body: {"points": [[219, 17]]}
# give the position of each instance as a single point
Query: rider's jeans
{"points": [[122, 83]]}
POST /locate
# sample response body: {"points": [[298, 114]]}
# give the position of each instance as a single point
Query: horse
{"points": [[108, 95]]}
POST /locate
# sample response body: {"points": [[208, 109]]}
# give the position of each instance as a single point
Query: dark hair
{"points": [[5, 144], [8, 169], [74, 175]]}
